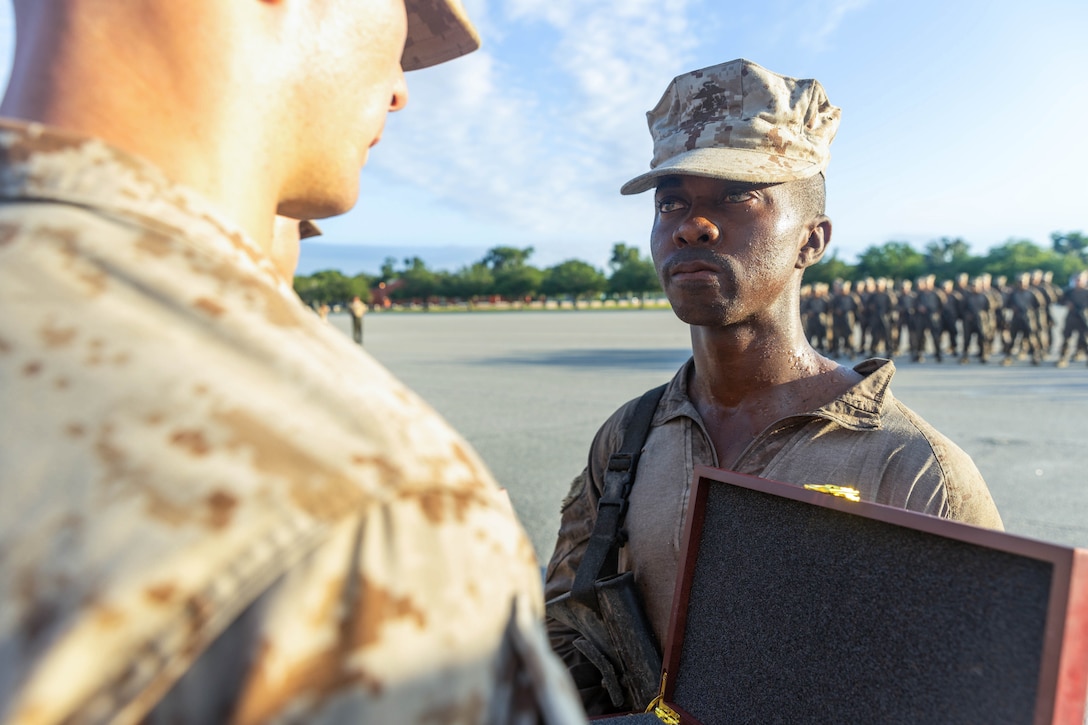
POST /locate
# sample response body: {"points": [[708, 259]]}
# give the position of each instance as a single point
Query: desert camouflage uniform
{"points": [[216, 508]]}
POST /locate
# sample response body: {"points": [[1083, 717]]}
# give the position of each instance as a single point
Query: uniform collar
{"points": [[859, 408], [39, 163]]}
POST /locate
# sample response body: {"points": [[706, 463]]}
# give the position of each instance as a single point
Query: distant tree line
{"points": [[505, 273], [948, 258]]}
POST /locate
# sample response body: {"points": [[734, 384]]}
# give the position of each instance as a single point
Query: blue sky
{"points": [[960, 118]]}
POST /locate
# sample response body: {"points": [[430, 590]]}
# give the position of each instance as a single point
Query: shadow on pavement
{"points": [[648, 359]]}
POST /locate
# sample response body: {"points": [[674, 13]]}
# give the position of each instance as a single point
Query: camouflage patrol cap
{"points": [[438, 30], [741, 122]]}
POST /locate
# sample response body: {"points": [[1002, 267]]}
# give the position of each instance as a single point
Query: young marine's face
{"points": [[726, 252], [349, 79]]}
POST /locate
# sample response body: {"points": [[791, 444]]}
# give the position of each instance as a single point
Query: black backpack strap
{"points": [[602, 551]]}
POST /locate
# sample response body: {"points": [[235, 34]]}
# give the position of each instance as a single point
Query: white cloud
{"points": [[809, 25], [477, 134], [824, 17], [464, 136], [540, 128]]}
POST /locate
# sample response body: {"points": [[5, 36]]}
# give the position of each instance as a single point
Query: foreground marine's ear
{"points": [[819, 237]]}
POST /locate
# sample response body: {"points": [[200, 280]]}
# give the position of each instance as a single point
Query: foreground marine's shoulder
{"points": [[957, 478]]}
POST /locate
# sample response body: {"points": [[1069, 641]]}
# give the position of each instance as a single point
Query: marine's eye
{"points": [[669, 204], [737, 197]]}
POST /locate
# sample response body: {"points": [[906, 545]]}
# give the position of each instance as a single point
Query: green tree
{"points": [[946, 258], [500, 259], [469, 283], [897, 260], [514, 279], [360, 287], [388, 270], [631, 273], [418, 282], [829, 269], [1021, 255], [575, 278], [1074, 243], [517, 283], [329, 285]]}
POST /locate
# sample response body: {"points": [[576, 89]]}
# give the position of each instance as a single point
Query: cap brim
{"points": [[307, 229], [438, 30], [727, 164]]}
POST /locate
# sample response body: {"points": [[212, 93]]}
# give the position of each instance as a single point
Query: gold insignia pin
{"points": [[851, 494]]}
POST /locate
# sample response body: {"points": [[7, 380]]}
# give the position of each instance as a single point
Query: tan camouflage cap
{"points": [[742, 122], [438, 30]]}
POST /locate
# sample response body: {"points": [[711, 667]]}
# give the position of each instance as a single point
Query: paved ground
{"points": [[530, 389]]}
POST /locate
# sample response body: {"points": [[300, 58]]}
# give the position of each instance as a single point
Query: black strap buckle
{"points": [[622, 462]]}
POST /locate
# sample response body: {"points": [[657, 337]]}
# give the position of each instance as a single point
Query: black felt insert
{"points": [[801, 614]]}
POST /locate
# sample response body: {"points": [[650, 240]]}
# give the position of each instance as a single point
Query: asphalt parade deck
{"points": [[530, 389]]}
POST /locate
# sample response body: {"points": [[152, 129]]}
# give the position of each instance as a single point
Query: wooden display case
{"points": [[794, 606]]}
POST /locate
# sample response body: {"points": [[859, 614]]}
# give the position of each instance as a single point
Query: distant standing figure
{"points": [[357, 310], [977, 321], [1023, 303], [323, 311], [1075, 300], [879, 310]]}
